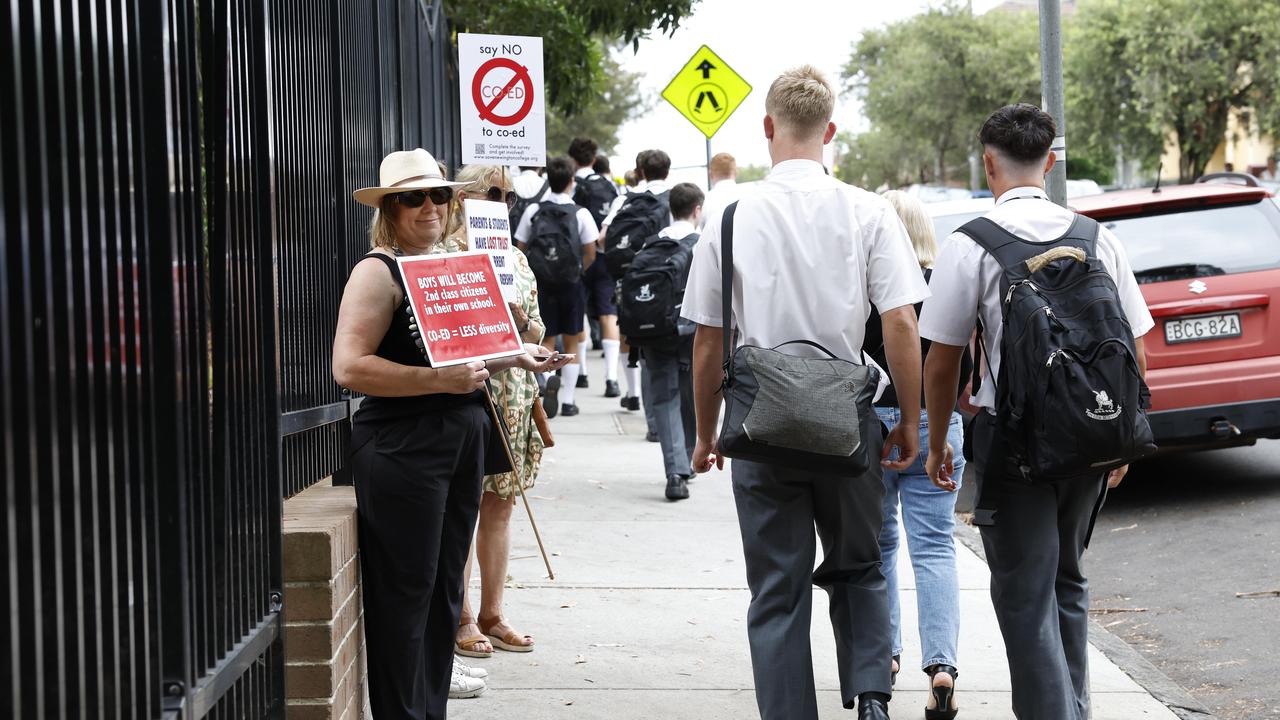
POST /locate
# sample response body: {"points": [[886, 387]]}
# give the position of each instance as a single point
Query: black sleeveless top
{"points": [[398, 346]]}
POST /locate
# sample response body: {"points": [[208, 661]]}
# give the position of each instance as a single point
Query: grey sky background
{"points": [[758, 39]]}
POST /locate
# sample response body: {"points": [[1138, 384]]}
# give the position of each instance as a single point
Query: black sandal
{"points": [[943, 696]]}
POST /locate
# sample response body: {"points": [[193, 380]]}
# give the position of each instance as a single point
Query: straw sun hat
{"points": [[402, 171]]}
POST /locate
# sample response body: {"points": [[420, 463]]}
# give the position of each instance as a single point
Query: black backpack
{"points": [[640, 218], [553, 249], [652, 291], [517, 210], [596, 193], [1070, 398]]}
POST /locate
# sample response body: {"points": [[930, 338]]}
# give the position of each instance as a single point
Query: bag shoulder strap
{"points": [[726, 277], [1011, 251]]}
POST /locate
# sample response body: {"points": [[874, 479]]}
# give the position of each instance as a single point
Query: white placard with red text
{"points": [[459, 308], [502, 108], [489, 229]]}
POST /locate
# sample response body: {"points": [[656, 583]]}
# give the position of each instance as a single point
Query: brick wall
{"points": [[324, 617]]}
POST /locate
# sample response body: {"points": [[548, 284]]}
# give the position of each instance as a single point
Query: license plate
{"points": [[1207, 327]]}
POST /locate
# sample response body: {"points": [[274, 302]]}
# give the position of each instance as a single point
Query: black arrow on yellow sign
{"points": [[706, 67]]}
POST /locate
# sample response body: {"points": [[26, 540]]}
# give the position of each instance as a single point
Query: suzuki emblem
{"points": [[1198, 287]]}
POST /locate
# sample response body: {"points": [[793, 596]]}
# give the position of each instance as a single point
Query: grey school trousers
{"points": [[777, 511], [1038, 588], [668, 398]]}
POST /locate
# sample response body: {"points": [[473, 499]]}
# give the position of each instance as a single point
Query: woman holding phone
{"points": [[421, 441]]}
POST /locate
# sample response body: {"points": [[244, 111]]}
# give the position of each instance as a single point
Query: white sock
{"points": [[582, 359], [568, 380], [633, 381], [611, 350]]}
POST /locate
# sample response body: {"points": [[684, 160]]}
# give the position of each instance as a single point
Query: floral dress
{"points": [[515, 390]]}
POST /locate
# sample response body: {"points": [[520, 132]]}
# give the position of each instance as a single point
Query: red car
{"points": [[1208, 258]]}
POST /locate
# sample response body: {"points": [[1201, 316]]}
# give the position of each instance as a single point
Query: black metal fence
{"points": [[175, 181]]}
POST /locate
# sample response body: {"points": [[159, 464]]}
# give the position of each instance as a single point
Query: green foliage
{"points": [[927, 83], [572, 55], [752, 173], [1140, 68], [1084, 166], [617, 98]]}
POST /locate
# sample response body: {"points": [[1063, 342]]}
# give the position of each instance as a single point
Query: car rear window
{"points": [[1202, 242], [944, 225]]}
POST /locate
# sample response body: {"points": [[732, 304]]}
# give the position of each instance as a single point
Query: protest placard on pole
{"points": [[458, 307], [503, 107], [489, 229]]}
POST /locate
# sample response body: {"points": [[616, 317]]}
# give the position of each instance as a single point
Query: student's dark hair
{"points": [[656, 165], [583, 151], [684, 198], [559, 173], [639, 169], [1023, 133], [601, 165]]}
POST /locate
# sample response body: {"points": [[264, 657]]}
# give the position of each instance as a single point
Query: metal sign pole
{"points": [[708, 163], [1052, 100]]}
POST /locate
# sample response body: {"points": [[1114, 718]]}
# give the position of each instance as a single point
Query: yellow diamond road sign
{"points": [[706, 91]]}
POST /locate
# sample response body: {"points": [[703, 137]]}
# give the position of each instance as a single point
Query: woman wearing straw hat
{"points": [[421, 442]]}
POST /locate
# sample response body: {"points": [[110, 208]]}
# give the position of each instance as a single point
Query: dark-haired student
{"points": [[1038, 532]]}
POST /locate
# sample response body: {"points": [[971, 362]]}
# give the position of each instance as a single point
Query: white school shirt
{"points": [[678, 230], [965, 278], [719, 197], [810, 255], [528, 183], [587, 232], [657, 187]]}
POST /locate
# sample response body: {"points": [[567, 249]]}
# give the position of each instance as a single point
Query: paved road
{"points": [[1180, 538]]}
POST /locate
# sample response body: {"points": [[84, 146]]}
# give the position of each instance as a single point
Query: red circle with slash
{"points": [[521, 77]]}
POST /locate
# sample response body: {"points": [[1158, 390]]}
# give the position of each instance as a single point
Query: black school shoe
{"points": [[568, 410], [611, 388], [677, 487], [582, 382], [631, 403], [551, 396], [872, 709]]}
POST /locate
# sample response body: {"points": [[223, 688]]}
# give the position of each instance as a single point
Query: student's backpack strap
{"points": [[726, 278]]}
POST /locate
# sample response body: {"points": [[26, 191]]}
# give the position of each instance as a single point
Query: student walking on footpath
{"points": [[809, 253], [650, 297], [421, 442], [928, 512], [1061, 401]]}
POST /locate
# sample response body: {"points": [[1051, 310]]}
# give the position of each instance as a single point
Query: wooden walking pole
{"points": [[506, 445]]}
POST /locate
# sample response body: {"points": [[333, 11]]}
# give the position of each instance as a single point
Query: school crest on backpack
{"points": [[641, 217], [552, 247]]}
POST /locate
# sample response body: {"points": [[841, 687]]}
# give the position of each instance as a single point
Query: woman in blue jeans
{"points": [[928, 513]]}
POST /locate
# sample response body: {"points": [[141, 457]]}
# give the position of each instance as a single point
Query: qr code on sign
{"points": [[479, 148]]}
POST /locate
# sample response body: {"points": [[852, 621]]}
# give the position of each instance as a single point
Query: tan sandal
{"points": [[511, 642], [469, 646]]}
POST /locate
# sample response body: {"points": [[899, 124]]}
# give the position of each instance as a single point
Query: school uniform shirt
{"points": [[587, 232], [966, 279], [810, 255], [527, 185], [719, 197], [678, 230], [656, 187]]}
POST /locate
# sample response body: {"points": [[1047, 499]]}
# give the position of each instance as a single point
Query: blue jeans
{"points": [[929, 516]]}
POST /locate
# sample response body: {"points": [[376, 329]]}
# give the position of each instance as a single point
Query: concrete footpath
{"points": [[646, 617]]}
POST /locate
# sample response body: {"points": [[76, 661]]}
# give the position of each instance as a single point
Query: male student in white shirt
{"points": [[563, 309], [810, 255], [724, 185], [1038, 531]]}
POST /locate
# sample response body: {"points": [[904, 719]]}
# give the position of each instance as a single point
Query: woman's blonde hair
{"points": [[478, 179], [919, 226], [382, 228]]}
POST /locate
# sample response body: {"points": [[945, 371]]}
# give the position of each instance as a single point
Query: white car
{"points": [[948, 216]]}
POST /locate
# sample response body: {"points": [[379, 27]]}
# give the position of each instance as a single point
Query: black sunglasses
{"points": [[415, 198], [496, 194]]}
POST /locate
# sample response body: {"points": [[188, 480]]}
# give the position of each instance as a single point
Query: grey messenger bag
{"points": [[803, 413]]}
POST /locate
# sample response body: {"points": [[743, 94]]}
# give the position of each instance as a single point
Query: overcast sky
{"points": [[758, 39]]}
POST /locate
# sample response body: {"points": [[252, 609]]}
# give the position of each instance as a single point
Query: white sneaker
{"points": [[461, 687], [462, 668]]}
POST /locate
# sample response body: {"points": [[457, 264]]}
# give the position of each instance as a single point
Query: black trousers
{"points": [[1038, 588], [778, 509], [418, 484]]}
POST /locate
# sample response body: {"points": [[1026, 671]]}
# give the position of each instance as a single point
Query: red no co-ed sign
{"points": [[459, 308], [487, 95]]}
